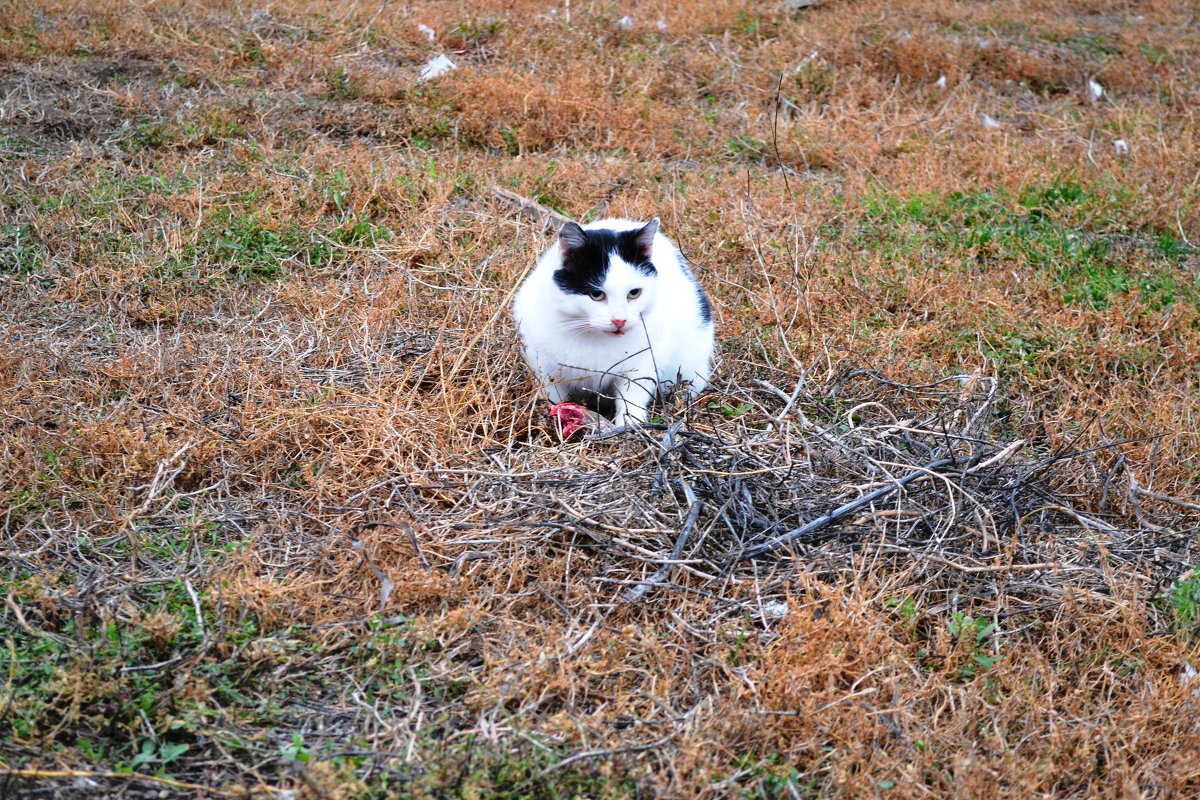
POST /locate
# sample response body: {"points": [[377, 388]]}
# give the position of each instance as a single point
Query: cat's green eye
{"points": [[596, 295], [634, 293]]}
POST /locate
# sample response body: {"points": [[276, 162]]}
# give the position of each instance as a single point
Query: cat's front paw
{"points": [[629, 414]]}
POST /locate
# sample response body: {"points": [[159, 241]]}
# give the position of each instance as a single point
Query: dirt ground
{"points": [[280, 515]]}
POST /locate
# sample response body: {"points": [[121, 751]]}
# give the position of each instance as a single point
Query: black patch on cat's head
{"points": [[585, 254]]}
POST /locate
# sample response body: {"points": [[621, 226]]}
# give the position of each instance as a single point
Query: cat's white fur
{"points": [[571, 342]]}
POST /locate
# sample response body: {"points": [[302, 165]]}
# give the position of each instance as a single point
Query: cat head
{"points": [[607, 278]]}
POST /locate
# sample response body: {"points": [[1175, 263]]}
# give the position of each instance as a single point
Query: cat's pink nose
{"points": [[618, 323]]}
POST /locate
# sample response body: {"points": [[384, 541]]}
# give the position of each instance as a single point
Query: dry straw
{"points": [[277, 486]]}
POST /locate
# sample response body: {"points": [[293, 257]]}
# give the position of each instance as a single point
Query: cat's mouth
{"points": [[619, 332]]}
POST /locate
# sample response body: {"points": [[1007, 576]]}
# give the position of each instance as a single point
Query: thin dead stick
{"points": [[775, 138], [1087, 522], [469, 556], [693, 513], [532, 208], [1166, 498], [1003, 455], [187, 584], [668, 441], [366, 30], [981, 569], [32, 631], [842, 511], [641, 748], [385, 583], [486, 327], [788, 401], [585, 637], [62, 774]]}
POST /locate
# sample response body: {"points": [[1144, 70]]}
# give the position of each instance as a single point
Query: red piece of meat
{"points": [[568, 418]]}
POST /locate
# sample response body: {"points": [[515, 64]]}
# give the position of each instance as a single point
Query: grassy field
{"points": [[279, 515]]}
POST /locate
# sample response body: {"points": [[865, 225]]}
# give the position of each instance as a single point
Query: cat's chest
{"points": [[597, 348], [578, 356]]}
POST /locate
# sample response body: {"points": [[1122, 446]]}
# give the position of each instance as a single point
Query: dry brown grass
{"points": [[274, 482]]}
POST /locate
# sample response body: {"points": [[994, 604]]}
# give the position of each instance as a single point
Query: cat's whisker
{"points": [[577, 326]]}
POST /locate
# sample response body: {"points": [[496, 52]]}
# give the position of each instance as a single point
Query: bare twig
{"points": [[586, 754], [693, 513], [1138, 489], [127, 777], [532, 209], [841, 511], [385, 583]]}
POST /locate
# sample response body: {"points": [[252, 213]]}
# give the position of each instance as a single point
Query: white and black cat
{"points": [[612, 309]]}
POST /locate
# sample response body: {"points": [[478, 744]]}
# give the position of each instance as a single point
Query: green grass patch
{"points": [[211, 126], [813, 80], [1023, 347], [24, 40], [1062, 233], [36, 491], [256, 247], [1090, 46], [90, 677], [14, 146]]}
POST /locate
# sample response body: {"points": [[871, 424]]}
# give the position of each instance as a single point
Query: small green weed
{"points": [[256, 248], [910, 615], [219, 124], [477, 33], [1155, 55], [731, 410], [253, 248], [295, 750], [1029, 348], [250, 51], [156, 134], [155, 755], [814, 80], [771, 778], [747, 24], [1183, 599], [1173, 248], [14, 146], [340, 85], [972, 633], [360, 231], [20, 251], [747, 147]]}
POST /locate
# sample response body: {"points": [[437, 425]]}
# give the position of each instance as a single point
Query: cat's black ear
{"points": [[571, 237], [644, 238]]}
